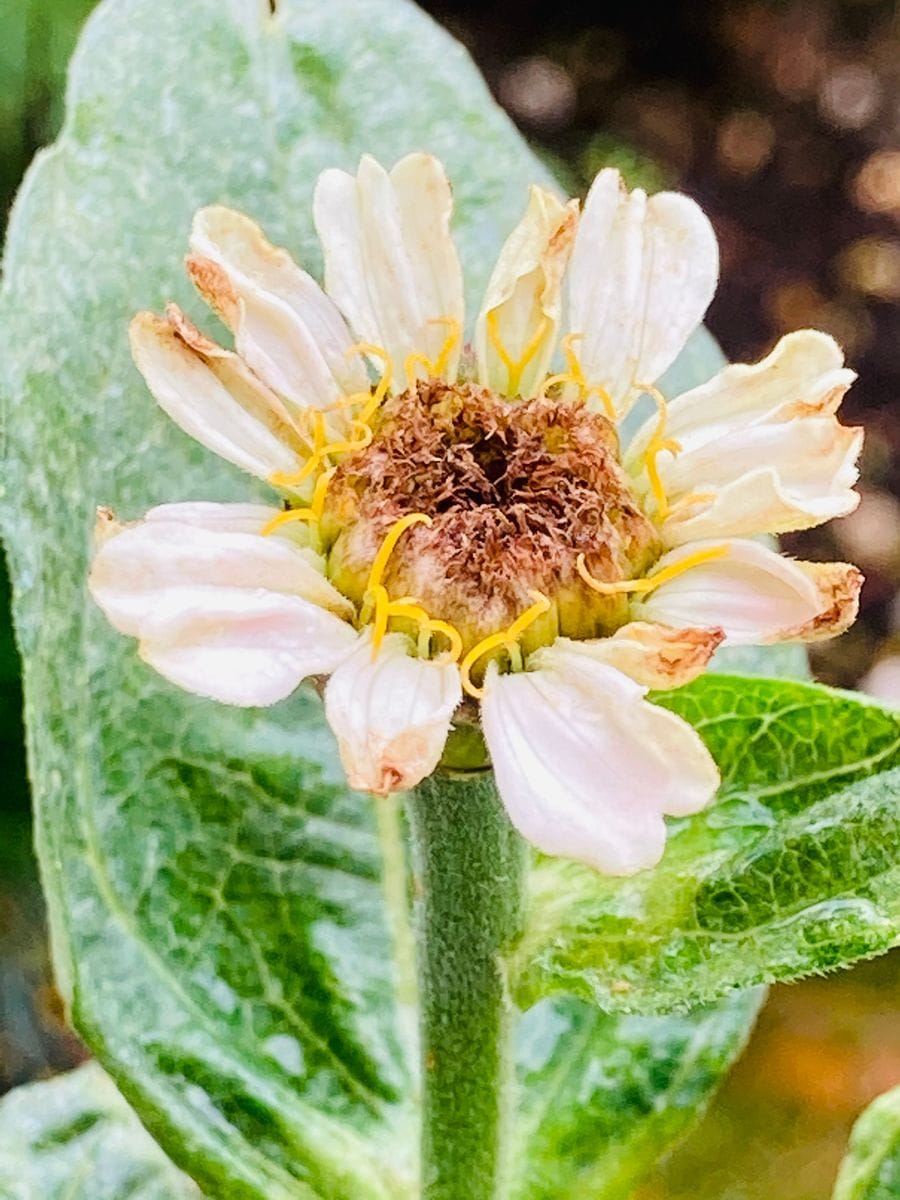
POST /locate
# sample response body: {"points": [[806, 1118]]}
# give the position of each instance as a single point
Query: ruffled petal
{"points": [[756, 596], [586, 767], [761, 450], [516, 330], [390, 263], [213, 396], [642, 275], [219, 610], [655, 656], [391, 714], [284, 325]]}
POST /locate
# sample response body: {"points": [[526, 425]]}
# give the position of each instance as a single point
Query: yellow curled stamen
{"points": [[415, 612], [507, 637], [386, 549], [285, 518], [376, 594], [657, 444], [434, 368], [411, 364], [605, 399], [281, 479], [363, 438], [454, 336], [381, 601], [575, 375], [313, 514], [650, 582], [373, 402], [515, 367]]}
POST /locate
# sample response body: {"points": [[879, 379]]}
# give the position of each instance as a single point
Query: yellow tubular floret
{"points": [[514, 366], [658, 443], [650, 582], [507, 638]]}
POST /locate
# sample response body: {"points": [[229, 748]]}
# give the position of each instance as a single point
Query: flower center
{"points": [[517, 495]]}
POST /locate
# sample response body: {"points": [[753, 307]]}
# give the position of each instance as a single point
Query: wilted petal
{"points": [[516, 331], [642, 275], [586, 767], [390, 263], [213, 396], [761, 450], [655, 656], [391, 714], [755, 595], [284, 325]]}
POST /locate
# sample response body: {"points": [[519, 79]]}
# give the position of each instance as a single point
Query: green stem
{"points": [[469, 869]]}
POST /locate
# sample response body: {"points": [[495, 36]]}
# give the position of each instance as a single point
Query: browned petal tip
{"points": [[839, 585], [105, 524], [185, 329], [684, 653], [213, 284]]}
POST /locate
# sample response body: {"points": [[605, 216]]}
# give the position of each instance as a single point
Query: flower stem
{"points": [[469, 867]]}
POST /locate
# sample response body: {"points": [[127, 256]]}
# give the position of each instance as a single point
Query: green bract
{"points": [[215, 893]]}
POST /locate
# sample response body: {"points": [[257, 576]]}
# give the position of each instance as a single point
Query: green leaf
{"points": [[75, 1138], [213, 890], [792, 871], [604, 1096], [871, 1169]]}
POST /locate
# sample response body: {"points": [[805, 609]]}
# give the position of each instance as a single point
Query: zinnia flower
{"points": [[459, 539]]}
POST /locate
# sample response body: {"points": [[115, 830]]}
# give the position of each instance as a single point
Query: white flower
{"points": [[443, 537]]}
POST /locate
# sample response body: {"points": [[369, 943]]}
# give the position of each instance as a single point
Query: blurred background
{"points": [[783, 120]]}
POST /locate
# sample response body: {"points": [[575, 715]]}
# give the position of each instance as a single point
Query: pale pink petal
{"points": [[586, 767], [391, 714], [137, 565], [242, 647], [642, 275], [655, 656], [760, 448], [214, 398], [755, 595], [390, 262]]}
